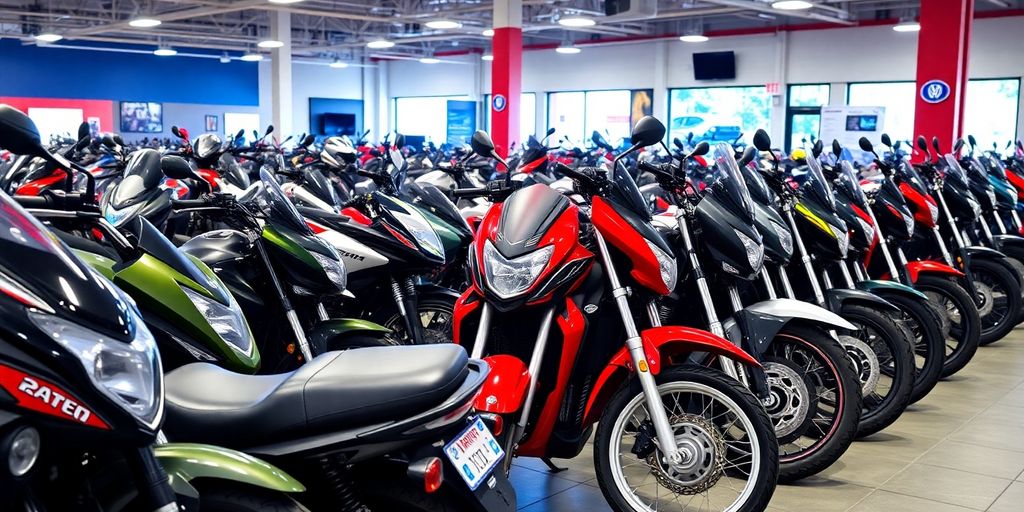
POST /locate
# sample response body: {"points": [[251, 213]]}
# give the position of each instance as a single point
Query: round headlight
{"points": [[22, 450]]}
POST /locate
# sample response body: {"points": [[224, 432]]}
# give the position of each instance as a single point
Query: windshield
{"points": [[730, 178], [399, 168], [756, 185], [627, 193], [17, 226], [995, 166], [281, 207], [816, 185], [851, 184], [954, 170]]}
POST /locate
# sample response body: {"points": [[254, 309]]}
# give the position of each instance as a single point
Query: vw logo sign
{"points": [[935, 91], [499, 102]]}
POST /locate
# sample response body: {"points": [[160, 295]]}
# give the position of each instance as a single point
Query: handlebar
{"points": [[179, 204], [58, 200], [470, 192]]}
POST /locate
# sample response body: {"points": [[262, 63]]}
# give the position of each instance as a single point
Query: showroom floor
{"points": [[959, 449]]}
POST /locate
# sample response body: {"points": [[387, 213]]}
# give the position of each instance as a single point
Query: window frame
{"points": [[453, 97], [792, 111], [547, 105]]}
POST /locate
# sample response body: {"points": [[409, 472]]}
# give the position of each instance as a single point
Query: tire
{"points": [[950, 297], [732, 398], [895, 363], [811, 346], [923, 324], [228, 497], [1015, 257], [361, 340], [437, 306], [997, 283]]}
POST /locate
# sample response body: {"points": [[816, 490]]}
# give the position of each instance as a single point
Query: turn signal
{"points": [[430, 470], [494, 422]]}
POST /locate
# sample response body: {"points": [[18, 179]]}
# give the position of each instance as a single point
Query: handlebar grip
{"points": [[39, 202], [189, 203], [469, 192]]}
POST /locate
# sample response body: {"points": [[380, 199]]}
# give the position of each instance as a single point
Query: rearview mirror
{"points": [[701, 149], [865, 145], [120, 141], [108, 141], [922, 144], [935, 144], [308, 140], [18, 134], [886, 140], [399, 141], [83, 131], [762, 141], [817, 148], [837, 148], [176, 132], [550, 131], [270, 129], [647, 132], [176, 167], [482, 144], [678, 143], [749, 155], [958, 145], [972, 140]]}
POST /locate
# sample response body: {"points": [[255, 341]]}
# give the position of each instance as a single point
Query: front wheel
{"points": [[435, 315], [730, 457], [964, 332], [222, 497], [924, 327], [1000, 305]]}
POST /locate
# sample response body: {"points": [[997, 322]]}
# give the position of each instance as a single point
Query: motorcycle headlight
{"points": [[421, 230], [933, 209], [118, 217], [334, 268], [785, 237], [510, 277], [843, 236], [227, 321], [755, 251], [909, 220], [869, 230], [127, 373], [666, 264]]}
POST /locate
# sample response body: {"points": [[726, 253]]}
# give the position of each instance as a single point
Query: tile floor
{"points": [[960, 449]]}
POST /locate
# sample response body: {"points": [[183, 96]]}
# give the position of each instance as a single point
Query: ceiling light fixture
{"points": [[429, 60], [443, 24], [285, 2], [380, 44], [338, 64], [907, 26], [568, 49], [488, 32], [694, 38], [270, 43], [251, 57], [165, 51], [48, 37], [791, 5], [488, 57], [225, 58], [144, 22], [576, 21]]}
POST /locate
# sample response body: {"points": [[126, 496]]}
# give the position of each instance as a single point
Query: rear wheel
{"points": [[882, 357], [224, 497], [729, 451], [1000, 305], [964, 333], [924, 328]]}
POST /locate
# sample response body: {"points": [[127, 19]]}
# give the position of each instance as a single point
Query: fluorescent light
{"points": [[429, 60], [791, 5], [443, 24], [251, 57], [270, 43], [693, 38], [337, 64], [488, 57], [48, 37], [907, 26], [145, 22], [285, 1], [488, 32], [164, 51], [380, 44], [567, 49], [576, 21]]}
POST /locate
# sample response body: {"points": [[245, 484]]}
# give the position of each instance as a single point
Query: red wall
{"points": [[103, 109]]}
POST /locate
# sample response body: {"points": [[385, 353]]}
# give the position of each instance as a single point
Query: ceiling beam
{"points": [[181, 14], [763, 7]]}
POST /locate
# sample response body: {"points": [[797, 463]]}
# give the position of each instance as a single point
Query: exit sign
{"points": [[773, 88]]}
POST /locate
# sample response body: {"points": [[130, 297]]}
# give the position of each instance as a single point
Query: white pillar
{"points": [[383, 102], [371, 105], [281, 73], [660, 97], [778, 102]]}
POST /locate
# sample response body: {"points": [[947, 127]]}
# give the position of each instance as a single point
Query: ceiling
{"points": [[324, 30]]}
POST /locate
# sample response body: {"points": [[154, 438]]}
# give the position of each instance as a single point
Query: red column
{"points": [[942, 69], [506, 74]]}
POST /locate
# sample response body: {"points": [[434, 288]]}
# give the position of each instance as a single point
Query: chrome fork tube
{"points": [[957, 236], [858, 271], [481, 332], [534, 368], [656, 408], [942, 246], [999, 222], [985, 228], [787, 288], [321, 312], [883, 244], [653, 314], [805, 258], [1016, 219], [846, 274], [714, 324], [769, 286]]}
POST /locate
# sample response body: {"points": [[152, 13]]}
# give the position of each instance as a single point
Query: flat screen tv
{"points": [[714, 66], [141, 117], [861, 123], [337, 124]]}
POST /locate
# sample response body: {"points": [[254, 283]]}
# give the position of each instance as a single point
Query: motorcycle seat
{"points": [[334, 391]]}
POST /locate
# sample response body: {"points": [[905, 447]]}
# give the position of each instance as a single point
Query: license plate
{"points": [[474, 453]]}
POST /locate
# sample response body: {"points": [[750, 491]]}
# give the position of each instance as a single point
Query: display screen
{"points": [[141, 117], [337, 124], [714, 66], [861, 123]]}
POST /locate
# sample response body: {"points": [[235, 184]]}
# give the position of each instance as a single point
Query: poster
{"points": [[461, 121], [848, 124], [641, 103]]}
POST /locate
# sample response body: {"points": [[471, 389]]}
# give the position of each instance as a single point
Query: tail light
{"points": [[494, 422], [430, 470]]}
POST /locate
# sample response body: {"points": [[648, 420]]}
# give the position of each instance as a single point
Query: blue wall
{"points": [[51, 72]]}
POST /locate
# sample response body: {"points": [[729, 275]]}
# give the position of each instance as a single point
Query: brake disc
{"points": [[865, 363], [703, 451], [789, 400]]}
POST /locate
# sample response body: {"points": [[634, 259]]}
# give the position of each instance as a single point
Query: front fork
{"points": [[404, 294], [655, 406]]}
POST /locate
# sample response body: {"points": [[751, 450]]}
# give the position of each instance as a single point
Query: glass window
{"points": [[803, 129], [898, 98], [990, 112], [718, 114], [811, 95], [608, 114], [566, 112], [527, 114], [424, 116], [804, 113]]}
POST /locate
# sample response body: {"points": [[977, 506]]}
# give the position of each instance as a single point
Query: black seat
{"points": [[337, 390]]}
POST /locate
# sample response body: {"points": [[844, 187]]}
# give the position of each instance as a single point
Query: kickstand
{"points": [[551, 466]]}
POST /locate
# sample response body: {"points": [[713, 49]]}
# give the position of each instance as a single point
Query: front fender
{"points": [[758, 323], [326, 332], [880, 288], [185, 462], [977, 251], [1009, 240], [915, 268], [659, 343], [836, 297]]}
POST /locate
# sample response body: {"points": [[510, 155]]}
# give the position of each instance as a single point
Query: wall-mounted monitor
{"points": [[861, 123], [333, 123], [141, 117], [714, 66]]}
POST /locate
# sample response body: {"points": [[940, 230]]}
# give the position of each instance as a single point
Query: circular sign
{"points": [[499, 102], [935, 91]]}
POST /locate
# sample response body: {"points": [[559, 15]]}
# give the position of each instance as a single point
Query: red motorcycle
{"points": [[544, 272]]}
